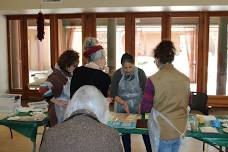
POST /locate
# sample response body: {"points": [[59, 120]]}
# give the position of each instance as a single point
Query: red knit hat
{"points": [[92, 50]]}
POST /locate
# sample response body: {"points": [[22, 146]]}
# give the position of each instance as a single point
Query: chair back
{"points": [[199, 102]]}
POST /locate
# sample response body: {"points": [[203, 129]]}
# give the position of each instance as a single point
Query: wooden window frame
{"points": [[89, 29]]}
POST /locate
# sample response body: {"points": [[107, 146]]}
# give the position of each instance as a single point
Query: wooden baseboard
{"points": [[218, 101]]}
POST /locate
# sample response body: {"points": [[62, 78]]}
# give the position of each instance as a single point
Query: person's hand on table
{"points": [[125, 106], [109, 99], [123, 103], [62, 103]]}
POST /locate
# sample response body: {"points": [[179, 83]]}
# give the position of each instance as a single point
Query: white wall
{"points": [[3, 56], [75, 6], [34, 4]]}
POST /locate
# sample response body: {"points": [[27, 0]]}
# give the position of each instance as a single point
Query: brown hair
{"points": [[165, 51], [68, 58]]}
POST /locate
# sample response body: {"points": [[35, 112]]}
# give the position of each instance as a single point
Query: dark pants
{"points": [[126, 138]]}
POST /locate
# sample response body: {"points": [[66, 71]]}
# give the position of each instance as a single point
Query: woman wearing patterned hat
{"points": [[93, 72]]}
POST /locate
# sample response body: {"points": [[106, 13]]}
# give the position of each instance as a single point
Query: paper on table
{"points": [[118, 124], [123, 120], [225, 130], [123, 117], [3, 116], [209, 117], [23, 109], [205, 119], [38, 104], [28, 118], [146, 115], [225, 125], [208, 130]]}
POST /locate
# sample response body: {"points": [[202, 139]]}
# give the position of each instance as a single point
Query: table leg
{"points": [[43, 134], [34, 142], [11, 133], [34, 146]]}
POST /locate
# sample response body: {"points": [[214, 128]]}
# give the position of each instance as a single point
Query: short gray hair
{"points": [[89, 42], [97, 55]]}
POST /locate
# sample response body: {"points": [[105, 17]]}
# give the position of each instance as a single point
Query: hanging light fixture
{"points": [[40, 26]]}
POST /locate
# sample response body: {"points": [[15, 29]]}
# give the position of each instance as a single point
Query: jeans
{"points": [[126, 138], [169, 145]]}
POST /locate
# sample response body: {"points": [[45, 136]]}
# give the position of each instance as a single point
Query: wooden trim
{"points": [[218, 13], [110, 15], [145, 15], [200, 54], [54, 40], [14, 17], [9, 55], [205, 43], [218, 101], [24, 56], [130, 34], [166, 27], [184, 14], [89, 25], [67, 16], [88, 29]]}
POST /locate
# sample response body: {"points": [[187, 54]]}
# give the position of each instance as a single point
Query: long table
{"points": [[26, 128], [217, 140], [29, 129]]}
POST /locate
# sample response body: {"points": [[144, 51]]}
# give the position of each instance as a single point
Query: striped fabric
{"points": [[148, 97]]}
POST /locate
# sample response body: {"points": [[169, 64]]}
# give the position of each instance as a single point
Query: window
{"points": [[217, 56], [184, 34], [70, 36], [39, 60], [137, 33], [15, 54], [147, 37]]}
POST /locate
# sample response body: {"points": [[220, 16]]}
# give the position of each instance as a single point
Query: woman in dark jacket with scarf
{"points": [[94, 72]]}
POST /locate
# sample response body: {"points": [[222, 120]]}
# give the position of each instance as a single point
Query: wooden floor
{"points": [[19, 143]]}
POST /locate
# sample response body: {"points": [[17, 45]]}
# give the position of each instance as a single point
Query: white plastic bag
{"points": [[154, 129], [89, 98]]}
